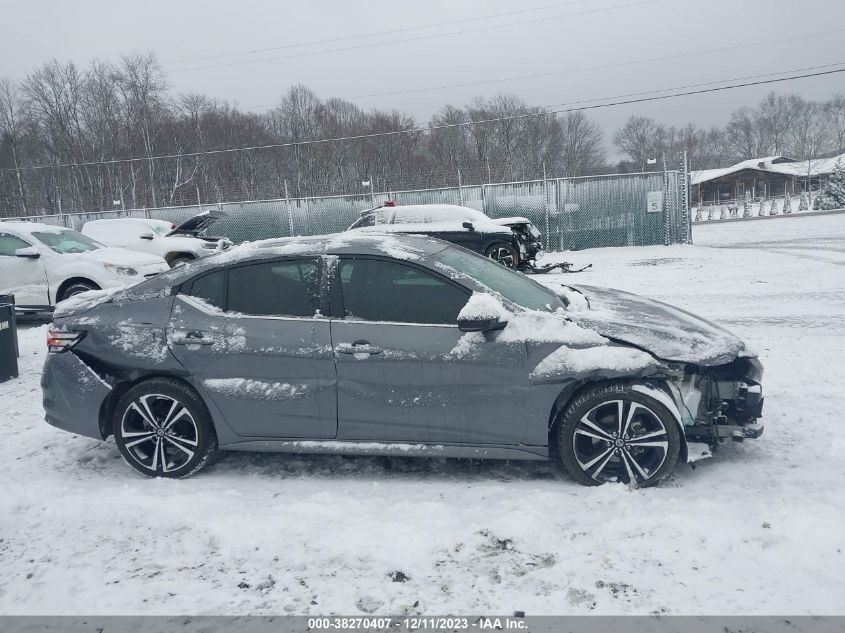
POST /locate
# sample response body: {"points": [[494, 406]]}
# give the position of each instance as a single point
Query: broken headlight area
{"points": [[720, 403]]}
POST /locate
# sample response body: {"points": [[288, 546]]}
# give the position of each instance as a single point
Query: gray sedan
{"points": [[394, 345]]}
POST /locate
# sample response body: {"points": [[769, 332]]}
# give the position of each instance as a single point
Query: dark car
{"points": [[513, 241], [393, 345]]}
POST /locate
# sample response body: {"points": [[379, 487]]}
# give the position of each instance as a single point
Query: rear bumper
{"points": [[72, 394]]}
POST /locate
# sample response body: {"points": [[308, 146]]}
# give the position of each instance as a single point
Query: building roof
{"points": [[814, 167], [763, 164], [773, 164]]}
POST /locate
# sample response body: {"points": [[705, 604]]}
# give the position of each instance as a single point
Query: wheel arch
{"points": [[169, 257], [64, 285], [108, 405], [654, 387]]}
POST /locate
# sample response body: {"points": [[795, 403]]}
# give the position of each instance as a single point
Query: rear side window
{"points": [[289, 288], [211, 289], [10, 243]]}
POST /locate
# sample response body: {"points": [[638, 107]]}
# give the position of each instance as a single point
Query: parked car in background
{"points": [[176, 244], [394, 345], [42, 264], [514, 242]]}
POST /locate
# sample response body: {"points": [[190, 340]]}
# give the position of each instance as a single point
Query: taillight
{"points": [[62, 340]]}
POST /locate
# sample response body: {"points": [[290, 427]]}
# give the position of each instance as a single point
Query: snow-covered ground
{"points": [[757, 529]]}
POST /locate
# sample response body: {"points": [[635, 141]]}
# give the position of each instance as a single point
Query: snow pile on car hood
{"points": [[667, 332], [582, 351]]}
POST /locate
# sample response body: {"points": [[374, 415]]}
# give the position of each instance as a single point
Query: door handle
{"points": [[192, 338], [358, 347]]}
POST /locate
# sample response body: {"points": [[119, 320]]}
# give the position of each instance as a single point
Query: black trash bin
{"points": [[8, 339]]}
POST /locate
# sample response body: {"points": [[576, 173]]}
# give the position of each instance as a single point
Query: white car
{"points": [[42, 264], [176, 244]]}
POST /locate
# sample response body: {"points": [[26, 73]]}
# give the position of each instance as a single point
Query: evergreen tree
{"points": [[762, 210], [698, 214], [746, 205], [787, 204], [833, 194], [803, 205], [723, 215], [774, 210]]}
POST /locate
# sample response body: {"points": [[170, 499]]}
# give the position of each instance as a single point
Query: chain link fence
{"points": [[572, 213]]}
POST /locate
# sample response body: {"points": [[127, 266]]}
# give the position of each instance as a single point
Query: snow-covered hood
{"points": [[668, 332], [120, 256], [511, 221]]}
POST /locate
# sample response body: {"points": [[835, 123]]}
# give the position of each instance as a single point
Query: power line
{"points": [[417, 38], [591, 68], [539, 111], [377, 33]]}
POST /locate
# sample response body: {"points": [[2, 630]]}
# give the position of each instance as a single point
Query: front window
{"points": [[379, 290], [512, 285], [365, 220], [66, 242], [10, 244]]}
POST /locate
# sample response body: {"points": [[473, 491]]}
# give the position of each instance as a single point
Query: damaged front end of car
{"points": [[718, 403]]}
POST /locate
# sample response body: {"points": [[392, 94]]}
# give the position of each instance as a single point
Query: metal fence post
{"points": [[546, 204], [460, 190], [290, 211]]}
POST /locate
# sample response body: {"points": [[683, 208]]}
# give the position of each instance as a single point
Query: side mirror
{"points": [[481, 324], [146, 236], [468, 225], [30, 252]]}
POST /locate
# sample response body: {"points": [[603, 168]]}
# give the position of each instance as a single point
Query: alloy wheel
{"points": [[502, 255], [159, 433], [620, 440]]}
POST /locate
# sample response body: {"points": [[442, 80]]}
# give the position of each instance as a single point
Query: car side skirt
{"points": [[399, 449]]}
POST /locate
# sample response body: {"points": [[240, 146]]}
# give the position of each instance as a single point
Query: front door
{"points": [[23, 277], [405, 371], [255, 344]]}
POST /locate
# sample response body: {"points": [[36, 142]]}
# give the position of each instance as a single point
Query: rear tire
{"points": [[613, 433], [77, 288], [503, 253], [163, 429]]}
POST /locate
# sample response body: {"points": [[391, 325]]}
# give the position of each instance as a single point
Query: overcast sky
{"points": [[544, 37]]}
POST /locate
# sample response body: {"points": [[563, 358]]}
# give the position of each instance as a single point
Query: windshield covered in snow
{"points": [[66, 242], [512, 285]]}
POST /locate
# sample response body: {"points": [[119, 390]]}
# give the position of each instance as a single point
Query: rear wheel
{"points": [[77, 287], [162, 429], [503, 253], [613, 433]]}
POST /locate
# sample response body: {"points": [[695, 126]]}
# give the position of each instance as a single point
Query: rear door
{"points": [[23, 277], [404, 371], [256, 345]]}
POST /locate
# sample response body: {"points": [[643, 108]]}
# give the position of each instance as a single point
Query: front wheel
{"points": [[503, 253], [77, 288], [613, 433], [162, 429]]}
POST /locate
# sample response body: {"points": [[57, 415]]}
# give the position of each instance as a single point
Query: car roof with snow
{"points": [[407, 247], [33, 227]]}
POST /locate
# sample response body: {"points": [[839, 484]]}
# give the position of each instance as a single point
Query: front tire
{"points": [[614, 433], [163, 429], [77, 288], [181, 259], [503, 253]]}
